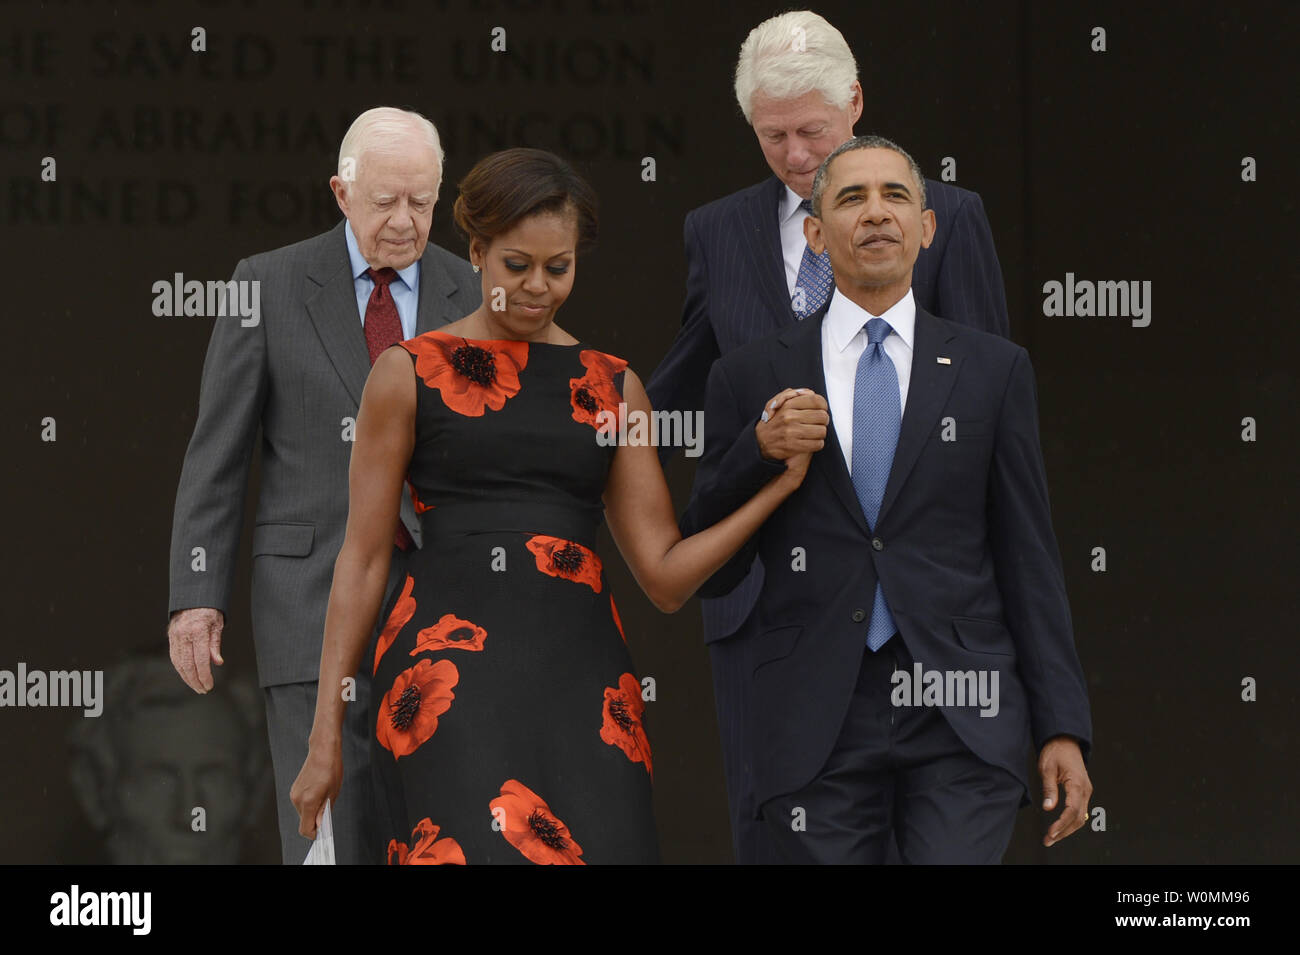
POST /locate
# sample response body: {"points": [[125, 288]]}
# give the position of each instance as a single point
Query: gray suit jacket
{"points": [[297, 374]]}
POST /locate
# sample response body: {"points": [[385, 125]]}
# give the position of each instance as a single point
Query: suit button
{"points": [[877, 544], [859, 616]]}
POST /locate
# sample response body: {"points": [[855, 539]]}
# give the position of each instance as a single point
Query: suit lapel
{"points": [[333, 310], [798, 364], [762, 236], [436, 288], [928, 390]]}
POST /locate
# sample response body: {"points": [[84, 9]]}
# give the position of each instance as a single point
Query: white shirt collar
{"points": [[845, 318], [788, 205]]}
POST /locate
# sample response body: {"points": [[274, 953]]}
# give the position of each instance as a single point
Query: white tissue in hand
{"points": [[322, 849]]}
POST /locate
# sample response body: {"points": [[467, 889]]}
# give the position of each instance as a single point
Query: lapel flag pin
{"points": [[944, 361]]}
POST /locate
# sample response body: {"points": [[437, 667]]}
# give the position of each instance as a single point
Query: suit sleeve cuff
{"points": [[1085, 744], [744, 460]]}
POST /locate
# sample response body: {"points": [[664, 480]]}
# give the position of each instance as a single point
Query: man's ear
{"points": [[812, 234], [340, 190], [855, 104], [928, 226]]}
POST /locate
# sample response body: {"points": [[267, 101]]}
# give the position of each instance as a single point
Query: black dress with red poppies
{"points": [[508, 720]]}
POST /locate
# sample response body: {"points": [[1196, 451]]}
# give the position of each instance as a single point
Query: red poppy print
{"points": [[564, 558], [427, 848], [471, 375], [430, 850], [617, 622], [529, 825], [594, 392], [401, 614], [450, 631], [409, 711], [420, 506], [622, 725]]}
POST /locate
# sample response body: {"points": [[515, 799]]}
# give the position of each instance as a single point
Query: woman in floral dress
{"points": [[509, 720]]}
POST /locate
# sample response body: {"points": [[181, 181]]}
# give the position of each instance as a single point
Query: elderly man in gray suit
{"points": [[328, 306]]}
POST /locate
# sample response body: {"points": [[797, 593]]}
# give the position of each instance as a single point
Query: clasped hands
{"points": [[793, 426]]}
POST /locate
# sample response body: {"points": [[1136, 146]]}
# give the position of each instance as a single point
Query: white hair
{"points": [[793, 54], [378, 129]]}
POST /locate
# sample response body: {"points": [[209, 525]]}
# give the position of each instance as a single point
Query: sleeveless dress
{"points": [[509, 724]]}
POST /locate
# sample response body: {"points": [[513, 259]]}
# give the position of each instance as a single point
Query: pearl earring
{"points": [[475, 268]]}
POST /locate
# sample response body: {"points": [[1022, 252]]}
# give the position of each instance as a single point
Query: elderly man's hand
{"points": [[796, 425], [195, 639]]}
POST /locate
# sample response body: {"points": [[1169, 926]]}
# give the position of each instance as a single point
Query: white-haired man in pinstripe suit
{"points": [[750, 274]]}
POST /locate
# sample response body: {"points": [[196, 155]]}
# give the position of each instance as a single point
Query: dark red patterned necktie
{"points": [[384, 328]]}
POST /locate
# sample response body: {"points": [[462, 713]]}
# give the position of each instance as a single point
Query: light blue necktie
{"points": [[815, 276], [877, 413]]}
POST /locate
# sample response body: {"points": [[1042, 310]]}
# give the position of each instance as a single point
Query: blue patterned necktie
{"points": [[877, 416], [815, 276]]}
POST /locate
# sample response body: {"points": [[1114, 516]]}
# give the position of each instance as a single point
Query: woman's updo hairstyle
{"points": [[513, 184]]}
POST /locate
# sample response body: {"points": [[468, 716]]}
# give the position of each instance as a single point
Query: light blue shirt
{"points": [[405, 288]]}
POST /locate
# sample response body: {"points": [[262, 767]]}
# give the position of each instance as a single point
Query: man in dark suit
{"points": [[913, 635], [750, 273], [329, 306]]}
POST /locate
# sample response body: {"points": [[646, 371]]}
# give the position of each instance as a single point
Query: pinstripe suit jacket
{"points": [[296, 375], [736, 292]]}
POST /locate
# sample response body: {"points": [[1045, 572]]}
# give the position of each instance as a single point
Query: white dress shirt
{"points": [[790, 218], [844, 339]]}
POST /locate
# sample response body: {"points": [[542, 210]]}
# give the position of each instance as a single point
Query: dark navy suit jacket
{"points": [[963, 547], [736, 292]]}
